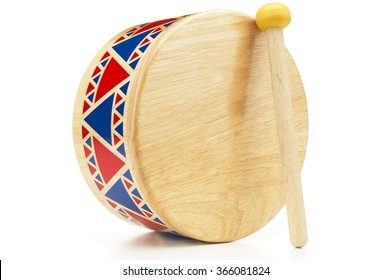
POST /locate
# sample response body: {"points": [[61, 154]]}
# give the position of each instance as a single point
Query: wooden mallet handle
{"points": [[272, 18]]}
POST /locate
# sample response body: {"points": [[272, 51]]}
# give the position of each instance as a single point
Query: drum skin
{"points": [[174, 127]]}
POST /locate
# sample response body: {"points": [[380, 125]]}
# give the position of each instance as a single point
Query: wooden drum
{"points": [[175, 128]]}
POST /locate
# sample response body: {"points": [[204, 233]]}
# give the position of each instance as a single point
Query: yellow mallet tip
{"points": [[273, 15]]}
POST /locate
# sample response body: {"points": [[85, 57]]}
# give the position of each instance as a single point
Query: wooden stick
{"points": [[272, 19]]}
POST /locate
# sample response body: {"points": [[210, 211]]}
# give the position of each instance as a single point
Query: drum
{"points": [[175, 128]]}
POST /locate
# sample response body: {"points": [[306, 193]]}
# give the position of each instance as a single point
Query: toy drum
{"points": [[175, 127]]}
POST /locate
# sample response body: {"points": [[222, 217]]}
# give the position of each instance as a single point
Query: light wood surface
{"points": [[203, 136], [286, 136]]}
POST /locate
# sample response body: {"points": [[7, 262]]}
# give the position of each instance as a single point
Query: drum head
{"points": [[202, 131]]}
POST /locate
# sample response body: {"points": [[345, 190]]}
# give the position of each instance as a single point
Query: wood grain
{"points": [[203, 137], [286, 136]]}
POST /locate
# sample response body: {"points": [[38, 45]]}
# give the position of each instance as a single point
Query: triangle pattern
{"points": [[91, 97], [154, 24], [145, 222], [155, 35], [109, 163], [86, 106], [120, 129], [88, 142], [100, 119], [96, 79], [145, 207], [92, 169], [133, 65], [119, 194], [106, 55], [116, 139], [104, 62], [135, 54], [138, 201], [92, 160], [96, 71], [115, 119], [118, 98], [127, 47], [99, 185], [136, 193], [112, 204], [129, 176], [112, 76], [127, 184], [87, 151], [148, 214], [121, 149], [98, 178], [124, 88], [143, 48], [84, 132], [121, 108], [89, 88]]}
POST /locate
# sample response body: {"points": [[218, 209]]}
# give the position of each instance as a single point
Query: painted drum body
{"points": [[174, 127]]}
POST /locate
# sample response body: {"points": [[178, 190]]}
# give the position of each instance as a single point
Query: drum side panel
{"points": [[101, 123], [206, 147]]}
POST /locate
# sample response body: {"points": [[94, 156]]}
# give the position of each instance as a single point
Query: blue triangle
{"points": [[145, 207], [128, 176], [100, 118], [104, 62], [157, 220], [119, 194], [92, 160], [121, 149], [99, 178], [88, 142], [124, 88], [143, 48], [127, 47], [121, 108], [96, 79], [134, 63], [91, 97], [168, 24], [155, 35], [130, 33], [122, 211], [120, 129], [136, 193]]}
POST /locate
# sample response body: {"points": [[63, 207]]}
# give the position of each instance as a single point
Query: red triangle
{"points": [[154, 24], [135, 54], [145, 41], [119, 39], [133, 29], [157, 30], [87, 152], [92, 169], [112, 203], [89, 88], [109, 164], [84, 132], [112, 76], [100, 186], [96, 71], [138, 201], [116, 119], [148, 214], [116, 139], [118, 98], [145, 222], [86, 106], [105, 56], [128, 185]]}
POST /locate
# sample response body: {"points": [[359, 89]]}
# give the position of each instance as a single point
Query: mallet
{"points": [[271, 19]]}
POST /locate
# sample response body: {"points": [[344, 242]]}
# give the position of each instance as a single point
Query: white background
{"points": [[50, 221]]}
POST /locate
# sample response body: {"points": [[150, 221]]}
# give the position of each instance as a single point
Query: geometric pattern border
{"points": [[102, 130]]}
